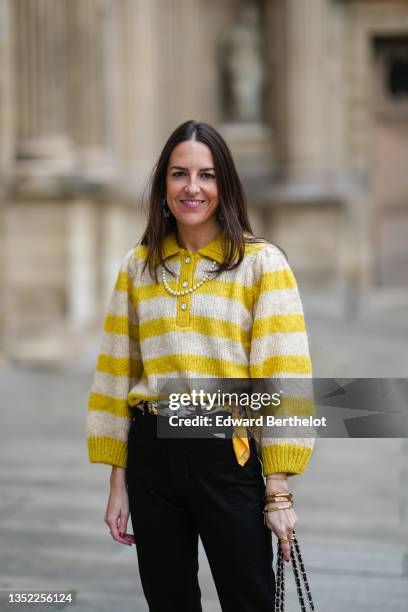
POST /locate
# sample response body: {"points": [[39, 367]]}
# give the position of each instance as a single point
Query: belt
{"points": [[152, 407], [240, 438]]}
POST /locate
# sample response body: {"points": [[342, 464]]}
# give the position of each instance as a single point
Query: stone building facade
{"points": [[311, 95]]}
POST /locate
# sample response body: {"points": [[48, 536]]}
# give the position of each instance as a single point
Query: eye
{"points": [[178, 173], [208, 175]]}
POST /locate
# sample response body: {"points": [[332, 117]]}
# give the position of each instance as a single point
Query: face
{"points": [[192, 192]]}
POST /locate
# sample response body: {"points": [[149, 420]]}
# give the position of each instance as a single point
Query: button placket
{"points": [[187, 265]]}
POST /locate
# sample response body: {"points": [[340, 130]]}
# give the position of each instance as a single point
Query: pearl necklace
{"points": [[205, 278]]}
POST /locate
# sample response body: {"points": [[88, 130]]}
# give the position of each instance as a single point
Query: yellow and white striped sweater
{"points": [[246, 323]]}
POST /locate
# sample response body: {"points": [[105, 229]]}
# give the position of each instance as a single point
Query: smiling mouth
{"points": [[192, 203]]}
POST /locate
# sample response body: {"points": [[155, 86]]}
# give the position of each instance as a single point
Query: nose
{"points": [[192, 187]]}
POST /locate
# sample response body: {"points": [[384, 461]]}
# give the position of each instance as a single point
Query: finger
{"points": [[285, 550], [290, 533], [122, 529], [130, 537], [126, 538], [114, 530], [119, 538]]}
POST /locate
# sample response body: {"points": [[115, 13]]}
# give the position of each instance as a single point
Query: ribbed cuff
{"points": [[288, 458], [107, 450]]}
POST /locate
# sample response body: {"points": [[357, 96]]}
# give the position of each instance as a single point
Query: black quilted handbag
{"points": [[300, 577]]}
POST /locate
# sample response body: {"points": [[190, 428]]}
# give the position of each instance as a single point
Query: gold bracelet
{"points": [[278, 495], [287, 501], [268, 509], [279, 501]]}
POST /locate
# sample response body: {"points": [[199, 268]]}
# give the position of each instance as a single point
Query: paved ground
{"points": [[351, 502]]}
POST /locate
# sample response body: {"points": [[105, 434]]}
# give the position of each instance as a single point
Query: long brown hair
{"points": [[232, 205]]}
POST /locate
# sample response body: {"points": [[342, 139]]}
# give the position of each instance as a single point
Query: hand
{"points": [[117, 514], [282, 523]]}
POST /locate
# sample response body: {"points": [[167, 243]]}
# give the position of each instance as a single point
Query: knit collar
{"points": [[213, 249]]}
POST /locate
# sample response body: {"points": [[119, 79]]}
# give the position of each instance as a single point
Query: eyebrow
{"points": [[181, 168]]}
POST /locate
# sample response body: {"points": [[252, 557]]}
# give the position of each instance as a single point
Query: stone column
{"points": [[93, 86], [6, 123], [145, 95], [305, 157], [93, 111], [83, 245], [43, 152]]}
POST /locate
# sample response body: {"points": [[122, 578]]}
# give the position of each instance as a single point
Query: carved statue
{"points": [[241, 65]]}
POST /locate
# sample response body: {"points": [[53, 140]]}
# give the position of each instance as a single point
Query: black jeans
{"points": [[182, 488]]}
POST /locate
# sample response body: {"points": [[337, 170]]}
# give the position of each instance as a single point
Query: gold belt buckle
{"points": [[149, 406]]}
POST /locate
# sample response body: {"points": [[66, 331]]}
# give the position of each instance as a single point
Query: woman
{"points": [[199, 297]]}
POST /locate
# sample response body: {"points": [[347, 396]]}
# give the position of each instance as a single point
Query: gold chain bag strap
{"points": [[296, 559]]}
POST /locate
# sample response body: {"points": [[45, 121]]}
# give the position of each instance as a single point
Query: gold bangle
{"points": [[267, 509], [278, 501], [279, 493], [278, 496]]}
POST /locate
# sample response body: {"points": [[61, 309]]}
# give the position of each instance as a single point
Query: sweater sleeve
{"points": [[118, 367], [280, 351]]}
